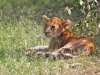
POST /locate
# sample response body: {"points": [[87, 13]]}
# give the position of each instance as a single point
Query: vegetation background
{"points": [[21, 27]]}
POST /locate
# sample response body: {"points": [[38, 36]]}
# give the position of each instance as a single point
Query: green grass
{"points": [[19, 30], [14, 39]]}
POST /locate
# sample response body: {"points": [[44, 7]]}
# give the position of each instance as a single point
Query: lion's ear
{"points": [[66, 23], [45, 19]]}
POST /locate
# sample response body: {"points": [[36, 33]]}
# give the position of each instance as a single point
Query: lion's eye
{"points": [[52, 27]]}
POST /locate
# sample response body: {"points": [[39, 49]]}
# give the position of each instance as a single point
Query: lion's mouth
{"points": [[47, 35]]}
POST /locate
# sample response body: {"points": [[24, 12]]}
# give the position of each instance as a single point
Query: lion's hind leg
{"points": [[60, 53]]}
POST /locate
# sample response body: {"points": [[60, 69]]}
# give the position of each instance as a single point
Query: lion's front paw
{"points": [[52, 55], [29, 51], [48, 54]]}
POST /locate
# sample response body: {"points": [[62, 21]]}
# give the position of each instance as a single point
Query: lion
{"points": [[63, 42]]}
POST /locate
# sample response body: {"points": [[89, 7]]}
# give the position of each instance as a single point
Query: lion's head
{"points": [[54, 27]]}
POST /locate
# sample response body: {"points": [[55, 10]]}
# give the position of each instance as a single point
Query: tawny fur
{"points": [[63, 41]]}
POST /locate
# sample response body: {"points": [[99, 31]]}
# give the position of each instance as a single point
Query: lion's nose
{"points": [[46, 32]]}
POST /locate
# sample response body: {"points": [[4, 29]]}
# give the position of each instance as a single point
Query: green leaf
{"points": [[96, 1], [69, 11], [81, 2], [88, 7]]}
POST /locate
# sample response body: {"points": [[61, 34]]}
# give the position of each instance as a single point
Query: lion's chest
{"points": [[56, 43]]}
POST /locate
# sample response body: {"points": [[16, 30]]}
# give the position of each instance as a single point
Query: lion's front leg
{"points": [[36, 50]]}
